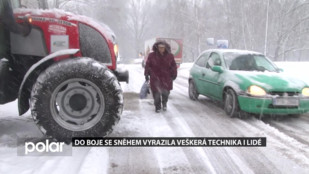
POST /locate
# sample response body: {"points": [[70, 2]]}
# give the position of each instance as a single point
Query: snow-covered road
{"points": [[287, 148]]}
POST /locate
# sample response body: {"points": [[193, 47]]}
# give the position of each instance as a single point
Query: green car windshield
{"points": [[248, 62]]}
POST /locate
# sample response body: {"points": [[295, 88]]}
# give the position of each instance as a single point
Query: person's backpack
{"points": [[144, 90]]}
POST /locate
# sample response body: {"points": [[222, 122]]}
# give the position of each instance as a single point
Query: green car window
{"points": [[202, 60], [263, 64], [214, 60], [248, 62]]}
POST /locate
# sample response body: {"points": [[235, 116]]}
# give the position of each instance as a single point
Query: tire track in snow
{"points": [[299, 135], [217, 155], [293, 127], [137, 160], [96, 161], [42, 164], [170, 159], [288, 146], [178, 124]]}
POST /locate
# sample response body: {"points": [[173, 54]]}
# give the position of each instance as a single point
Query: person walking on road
{"points": [[162, 70]]}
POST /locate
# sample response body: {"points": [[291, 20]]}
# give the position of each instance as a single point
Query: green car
{"points": [[247, 81]]}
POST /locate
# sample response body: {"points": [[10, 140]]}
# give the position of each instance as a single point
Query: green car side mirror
{"points": [[217, 69]]}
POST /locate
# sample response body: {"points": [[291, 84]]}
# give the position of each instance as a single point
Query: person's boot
{"points": [[158, 110], [164, 107]]}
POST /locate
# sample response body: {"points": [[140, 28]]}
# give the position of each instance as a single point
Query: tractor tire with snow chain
{"points": [[78, 97]]}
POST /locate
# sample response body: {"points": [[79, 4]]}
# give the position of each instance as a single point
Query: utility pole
{"points": [[266, 29]]}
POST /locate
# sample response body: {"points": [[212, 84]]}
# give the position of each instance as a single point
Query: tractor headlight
{"points": [[27, 18], [30, 20], [256, 91], [116, 50], [305, 92]]}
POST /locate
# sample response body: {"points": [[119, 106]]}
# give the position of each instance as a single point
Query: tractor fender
{"points": [[33, 73]]}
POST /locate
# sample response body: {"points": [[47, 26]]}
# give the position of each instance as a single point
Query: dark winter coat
{"points": [[161, 68]]}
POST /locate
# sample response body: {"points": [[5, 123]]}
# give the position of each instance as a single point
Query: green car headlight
{"points": [[256, 91], [305, 92]]}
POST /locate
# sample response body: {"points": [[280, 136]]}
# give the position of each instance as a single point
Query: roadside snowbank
{"points": [[298, 70]]}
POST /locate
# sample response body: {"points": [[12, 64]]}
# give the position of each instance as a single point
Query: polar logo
{"points": [[53, 147]]}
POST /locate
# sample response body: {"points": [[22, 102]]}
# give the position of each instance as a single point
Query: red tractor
{"points": [[63, 67]]}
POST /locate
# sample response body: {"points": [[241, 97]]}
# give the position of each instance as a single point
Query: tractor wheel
{"points": [[193, 94], [76, 98]]}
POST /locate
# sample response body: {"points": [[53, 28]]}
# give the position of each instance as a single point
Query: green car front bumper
{"points": [[265, 106]]}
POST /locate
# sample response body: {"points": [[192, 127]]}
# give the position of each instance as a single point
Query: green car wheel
{"points": [[193, 94], [231, 106]]}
